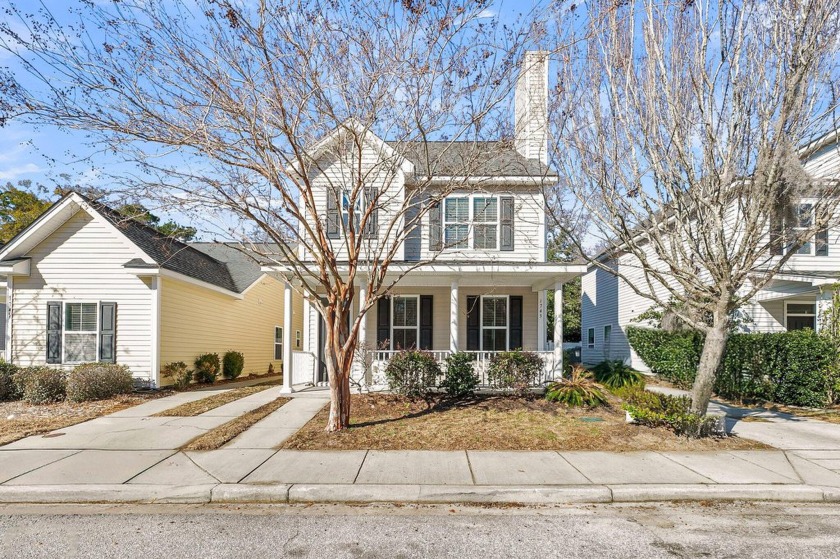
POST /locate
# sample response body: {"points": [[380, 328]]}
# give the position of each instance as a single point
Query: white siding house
{"points": [[473, 273], [794, 299]]}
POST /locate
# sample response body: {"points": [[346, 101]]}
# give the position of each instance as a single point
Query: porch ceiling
{"points": [[537, 276]]}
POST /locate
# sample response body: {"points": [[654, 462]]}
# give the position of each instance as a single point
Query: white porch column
{"points": [[361, 367], [558, 330], [287, 340], [824, 300], [453, 316], [542, 319], [306, 335], [10, 302]]}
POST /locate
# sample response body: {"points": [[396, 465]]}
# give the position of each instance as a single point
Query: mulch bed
{"points": [[388, 422], [19, 419]]}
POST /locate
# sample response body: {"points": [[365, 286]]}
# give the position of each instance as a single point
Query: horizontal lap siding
{"points": [[83, 261], [195, 320]]}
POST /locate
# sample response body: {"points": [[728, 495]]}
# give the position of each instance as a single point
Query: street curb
{"points": [[114, 493], [424, 494]]}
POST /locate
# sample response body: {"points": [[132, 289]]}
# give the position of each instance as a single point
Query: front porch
{"points": [[790, 302], [444, 309]]}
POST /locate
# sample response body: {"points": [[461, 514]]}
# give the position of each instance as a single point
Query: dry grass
{"points": [[221, 435], [191, 409], [19, 420], [385, 422]]}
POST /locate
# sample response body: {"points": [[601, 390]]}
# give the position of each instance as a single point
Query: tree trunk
{"points": [[338, 370], [710, 359]]}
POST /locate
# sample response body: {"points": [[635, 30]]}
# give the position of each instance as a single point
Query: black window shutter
{"points": [[473, 324], [515, 324], [506, 222], [54, 332], [372, 224], [435, 237], [425, 322], [332, 215], [108, 332], [821, 248], [383, 321]]}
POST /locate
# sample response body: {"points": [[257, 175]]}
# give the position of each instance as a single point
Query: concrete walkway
{"points": [[132, 457]]}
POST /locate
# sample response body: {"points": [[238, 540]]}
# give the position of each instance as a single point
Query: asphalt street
{"points": [[763, 530]]}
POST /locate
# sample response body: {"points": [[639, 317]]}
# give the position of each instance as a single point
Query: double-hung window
{"points": [[494, 323], [486, 220], [81, 332], [803, 220], [405, 325], [278, 343], [456, 222], [590, 338]]}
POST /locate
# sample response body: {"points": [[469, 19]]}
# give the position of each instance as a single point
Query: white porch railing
{"points": [[481, 365], [303, 367]]}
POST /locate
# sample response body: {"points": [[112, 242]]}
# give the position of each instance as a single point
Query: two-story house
{"points": [[473, 273], [794, 299]]}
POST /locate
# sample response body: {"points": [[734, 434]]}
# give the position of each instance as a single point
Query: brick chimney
{"points": [[530, 107]]}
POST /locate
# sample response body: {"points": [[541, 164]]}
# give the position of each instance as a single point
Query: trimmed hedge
{"points": [[8, 390], [672, 355], [792, 368], [97, 381], [460, 379], [41, 385], [232, 364], [515, 370], [412, 373]]}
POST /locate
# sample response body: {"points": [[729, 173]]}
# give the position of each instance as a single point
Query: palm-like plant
{"points": [[617, 374], [577, 390]]}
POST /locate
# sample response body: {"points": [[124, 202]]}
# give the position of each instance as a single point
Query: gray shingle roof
{"points": [[243, 265], [488, 159], [170, 253]]}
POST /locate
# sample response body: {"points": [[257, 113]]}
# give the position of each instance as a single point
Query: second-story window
{"points": [[456, 222], [804, 219], [486, 219]]}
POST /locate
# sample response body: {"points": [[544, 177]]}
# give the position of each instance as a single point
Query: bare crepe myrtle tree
{"points": [[678, 125], [268, 116]]}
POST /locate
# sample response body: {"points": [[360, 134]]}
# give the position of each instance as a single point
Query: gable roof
{"points": [[487, 159], [168, 253], [242, 264]]}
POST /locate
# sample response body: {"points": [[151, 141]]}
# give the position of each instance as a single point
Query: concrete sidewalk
{"points": [[133, 457], [264, 475]]}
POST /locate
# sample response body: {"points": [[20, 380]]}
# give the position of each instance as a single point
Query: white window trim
{"points": [[95, 332], [417, 328], [813, 240], [481, 320], [276, 343], [298, 339], [590, 345], [471, 223], [800, 302], [607, 349]]}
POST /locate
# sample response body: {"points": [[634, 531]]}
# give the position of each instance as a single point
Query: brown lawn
{"points": [[221, 435], [386, 422], [198, 407], [19, 420]]}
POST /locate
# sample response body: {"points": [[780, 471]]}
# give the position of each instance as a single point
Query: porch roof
{"points": [[537, 275]]}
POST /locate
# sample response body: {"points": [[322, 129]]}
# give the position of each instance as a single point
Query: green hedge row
{"points": [[793, 368]]}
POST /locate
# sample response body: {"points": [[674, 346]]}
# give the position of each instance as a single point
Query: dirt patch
{"points": [[386, 422], [191, 409], [221, 435], [19, 419]]}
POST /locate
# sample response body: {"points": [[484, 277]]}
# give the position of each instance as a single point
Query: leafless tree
{"points": [[678, 126], [243, 112]]}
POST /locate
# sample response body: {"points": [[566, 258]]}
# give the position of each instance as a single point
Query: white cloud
{"points": [[11, 173]]}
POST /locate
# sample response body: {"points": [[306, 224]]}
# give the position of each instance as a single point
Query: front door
{"points": [[800, 322], [322, 336]]}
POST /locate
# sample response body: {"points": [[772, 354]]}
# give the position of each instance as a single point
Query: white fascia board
{"points": [[438, 180], [39, 224], [353, 125]]}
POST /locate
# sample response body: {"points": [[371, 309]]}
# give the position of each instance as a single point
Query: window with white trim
{"points": [[81, 332], [278, 343], [298, 339], [405, 321], [607, 341], [803, 220], [456, 222], [799, 316], [486, 220], [590, 338], [494, 323]]}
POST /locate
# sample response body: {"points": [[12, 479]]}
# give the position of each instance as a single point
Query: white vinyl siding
{"points": [[82, 261]]}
